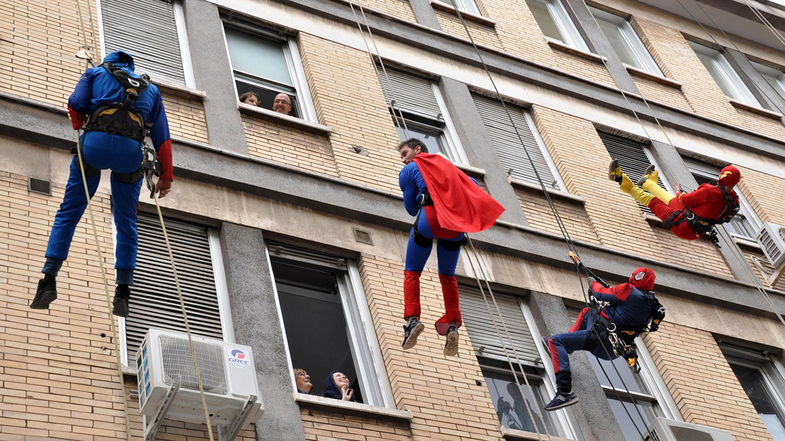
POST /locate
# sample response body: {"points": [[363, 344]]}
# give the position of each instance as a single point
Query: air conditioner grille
{"points": [[179, 368], [686, 433]]}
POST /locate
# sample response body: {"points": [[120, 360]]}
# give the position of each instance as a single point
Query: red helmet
{"points": [[643, 279], [729, 176]]}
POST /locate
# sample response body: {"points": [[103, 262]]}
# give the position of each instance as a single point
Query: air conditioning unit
{"points": [[771, 239], [663, 429], [168, 385]]}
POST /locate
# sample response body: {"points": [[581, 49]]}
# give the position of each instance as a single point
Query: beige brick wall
{"points": [[483, 34], [582, 68], [757, 188], [186, 116], [699, 255], [349, 99], [702, 383], [284, 144], [539, 215], [663, 94], [322, 424], [396, 8], [749, 254], [440, 391], [38, 41]]}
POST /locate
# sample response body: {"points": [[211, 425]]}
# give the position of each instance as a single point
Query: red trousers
{"points": [[663, 211], [452, 308]]}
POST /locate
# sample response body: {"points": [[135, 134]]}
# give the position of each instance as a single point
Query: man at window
{"points": [[282, 104], [112, 140], [250, 98], [446, 204]]}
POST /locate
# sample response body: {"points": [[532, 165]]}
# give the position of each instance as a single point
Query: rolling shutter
{"points": [[507, 144], [154, 301], [412, 94], [147, 30], [631, 156], [483, 333]]}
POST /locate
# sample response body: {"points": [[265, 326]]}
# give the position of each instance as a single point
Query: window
{"points": [[745, 226], [268, 64], [490, 343], [154, 35], [555, 23], [774, 77], [625, 41], [424, 112], [154, 300], [762, 379], [327, 325], [464, 5], [504, 138], [724, 75], [633, 157], [651, 397]]}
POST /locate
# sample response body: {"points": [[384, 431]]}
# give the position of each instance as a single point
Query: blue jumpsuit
{"points": [[101, 150]]}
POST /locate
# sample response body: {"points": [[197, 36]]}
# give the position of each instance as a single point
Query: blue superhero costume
{"points": [[103, 150]]}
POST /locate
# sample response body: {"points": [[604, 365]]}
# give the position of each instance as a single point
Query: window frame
{"points": [[561, 185], [745, 209], [294, 66], [221, 291], [727, 73], [564, 23], [371, 372], [468, 6], [777, 76], [182, 38], [633, 41]]}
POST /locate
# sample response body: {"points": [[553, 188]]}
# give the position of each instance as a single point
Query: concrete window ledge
{"points": [[756, 110], [745, 243], [634, 71], [513, 434], [348, 407], [292, 121], [561, 47], [555, 193], [185, 92], [466, 15], [474, 172]]}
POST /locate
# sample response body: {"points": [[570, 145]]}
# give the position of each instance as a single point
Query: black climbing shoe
{"points": [[451, 345], [614, 171], [45, 294], [645, 176], [411, 330], [120, 303], [561, 400]]}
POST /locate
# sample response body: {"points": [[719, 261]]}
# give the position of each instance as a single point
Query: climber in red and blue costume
{"points": [[446, 204]]}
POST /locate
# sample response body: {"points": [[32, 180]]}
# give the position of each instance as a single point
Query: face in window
{"points": [[408, 153], [303, 381], [341, 380], [282, 104], [249, 98]]}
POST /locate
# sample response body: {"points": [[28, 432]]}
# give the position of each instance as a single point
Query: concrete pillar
{"points": [[592, 413], [676, 171], [423, 12], [213, 75], [256, 324], [763, 91], [598, 42], [479, 151]]}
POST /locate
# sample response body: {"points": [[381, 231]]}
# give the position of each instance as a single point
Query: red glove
{"points": [[77, 118], [165, 155]]}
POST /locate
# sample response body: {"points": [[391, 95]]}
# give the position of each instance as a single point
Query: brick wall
{"points": [[186, 116], [483, 35], [757, 189], [700, 255], [288, 145], [749, 254], [440, 391], [396, 8], [349, 99], [702, 383], [572, 213], [663, 94], [323, 424]]}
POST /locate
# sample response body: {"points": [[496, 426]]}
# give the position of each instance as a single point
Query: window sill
{"points": [[467, 15], [185, 92], [284, 119], [559, 46], [755, 109], [515, 434], [556, 193], [634, 71], [746, 243], [474, 172], [333, 405]]}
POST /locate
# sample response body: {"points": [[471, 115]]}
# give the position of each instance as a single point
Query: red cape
{"points": [[460, 204]]}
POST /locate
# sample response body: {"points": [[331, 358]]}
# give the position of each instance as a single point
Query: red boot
{"points": [[411, 294], [452, 306]]}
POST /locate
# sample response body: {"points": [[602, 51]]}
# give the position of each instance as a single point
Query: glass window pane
{"points": [[757, 390], [510, 405], [719, 77], [624, 379], [259, 57], [774, 77], [628, 423], [614, 35], [547, 25], [430, 137]]}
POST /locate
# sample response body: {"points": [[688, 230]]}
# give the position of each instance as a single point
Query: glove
{"points": [[77, 118]]}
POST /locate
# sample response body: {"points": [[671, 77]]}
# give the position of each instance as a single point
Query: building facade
{"points": [[290, 235]]}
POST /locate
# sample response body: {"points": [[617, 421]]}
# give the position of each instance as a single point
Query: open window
{"points": [[497, 346], [556, 24], [326, 321], [625, 41], [419, 111], [724, 75], [154, 35], [469, 6], [268, 65]]}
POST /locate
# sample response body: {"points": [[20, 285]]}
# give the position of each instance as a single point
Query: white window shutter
{"points": [[411, 93], [631, 156]]}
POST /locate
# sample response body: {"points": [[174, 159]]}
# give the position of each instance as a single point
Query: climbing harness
{"points": [[704, 225], [121, 118]]}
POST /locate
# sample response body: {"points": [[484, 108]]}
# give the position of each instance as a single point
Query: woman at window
{"points": [[336, 385]]}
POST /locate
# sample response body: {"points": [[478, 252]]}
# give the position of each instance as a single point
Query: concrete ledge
{"points": [[291, 121], [555, 193], [514, 434], [468, 16], [756, 110], [175, 89], [651, 77], [559, 46], [348, 407]]}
